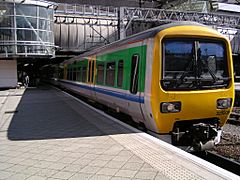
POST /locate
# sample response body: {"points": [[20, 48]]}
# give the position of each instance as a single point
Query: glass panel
{"points": [[51, 37], [79, 70], [46, 13], [110, 76], [212, 59], [27, 10], [74, 74], [51, 25], [6, 49], [120, 73], [26, 35], [31, 49], [194, 64], [6, 9], [93, 69], [134, 74], [44, 35], [61, 72], [70, 73], [21, 49], [100, 73], [178, 56], [44, 24], [6, 35], [89, 70], [26, 22], [84, 74], [6, 21]]}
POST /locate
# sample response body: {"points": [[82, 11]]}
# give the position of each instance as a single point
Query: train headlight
{"points": [[224, 103], [170, 107]]}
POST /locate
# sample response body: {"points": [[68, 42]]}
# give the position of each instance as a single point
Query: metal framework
{"points": [[98, 22], [91, 26], [86, 10], [128, 15], [229, 25]]}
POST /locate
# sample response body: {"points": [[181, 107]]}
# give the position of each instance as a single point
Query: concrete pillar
{"points": [[8, 74]]}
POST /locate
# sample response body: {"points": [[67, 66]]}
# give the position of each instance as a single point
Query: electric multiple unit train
{"points": [[175, 79]]}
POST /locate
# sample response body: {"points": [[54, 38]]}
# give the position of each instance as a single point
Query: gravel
{"points": [[230, 142]]}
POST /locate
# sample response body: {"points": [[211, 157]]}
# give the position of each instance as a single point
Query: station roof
{"points": [[228, 7], [119, 3]]}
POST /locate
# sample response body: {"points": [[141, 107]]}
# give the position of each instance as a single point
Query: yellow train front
{"points": [[192, 90]]}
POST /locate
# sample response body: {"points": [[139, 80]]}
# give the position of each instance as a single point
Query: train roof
{"points": [[137, 37]]}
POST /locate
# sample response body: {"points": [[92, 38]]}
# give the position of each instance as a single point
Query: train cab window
{"points": [[194, 64], [100, 73], [110, 76], [84, 73], [134, 74], [120, 73]]}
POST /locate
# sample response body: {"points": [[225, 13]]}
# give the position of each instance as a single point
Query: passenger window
{"points": [[74, 74], [110, 76], [100, 73], [84, 74], [79, 74], [120, 73], [70, 74], [89, 70], [61, 72], [93, 68], [134, 74]]}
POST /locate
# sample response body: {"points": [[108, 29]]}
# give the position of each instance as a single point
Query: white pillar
{"points": [[8, 73]]}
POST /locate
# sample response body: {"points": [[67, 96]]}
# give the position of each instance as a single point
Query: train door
{"points": [[134, 105], [91, 76]]}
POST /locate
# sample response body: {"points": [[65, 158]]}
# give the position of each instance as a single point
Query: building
{"points": [[26, 33]]}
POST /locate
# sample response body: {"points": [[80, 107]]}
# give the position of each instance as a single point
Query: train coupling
{"points": [[211, 143], [200, 136]]}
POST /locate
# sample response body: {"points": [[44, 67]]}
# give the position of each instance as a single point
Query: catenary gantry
{"points": [[102, 25]]}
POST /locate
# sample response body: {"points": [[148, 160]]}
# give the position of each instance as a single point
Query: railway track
{"points": [[235, 116], [233, 121], [220, 161]]}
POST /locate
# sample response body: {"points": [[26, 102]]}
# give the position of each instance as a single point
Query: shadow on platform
{"points": [[45, 113]]}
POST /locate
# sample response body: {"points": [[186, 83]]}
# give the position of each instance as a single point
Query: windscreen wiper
{"points": [[215, 79], [184, 74]]}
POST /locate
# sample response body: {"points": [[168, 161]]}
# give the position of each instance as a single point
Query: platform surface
{"points": [[47, 134]]}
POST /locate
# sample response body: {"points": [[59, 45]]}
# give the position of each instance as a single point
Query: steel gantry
{"points": [[82, 27], [96, 25], [130, 15]]}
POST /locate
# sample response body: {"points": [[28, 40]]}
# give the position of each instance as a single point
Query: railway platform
{"points": [[47, 134]]}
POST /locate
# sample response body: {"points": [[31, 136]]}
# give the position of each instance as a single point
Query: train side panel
{"points": [[104, 86]]}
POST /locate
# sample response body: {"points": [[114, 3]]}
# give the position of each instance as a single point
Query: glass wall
{"points": [[26, 30]]}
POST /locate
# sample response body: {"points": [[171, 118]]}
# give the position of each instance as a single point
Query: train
{"points": [[175, 80]]}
